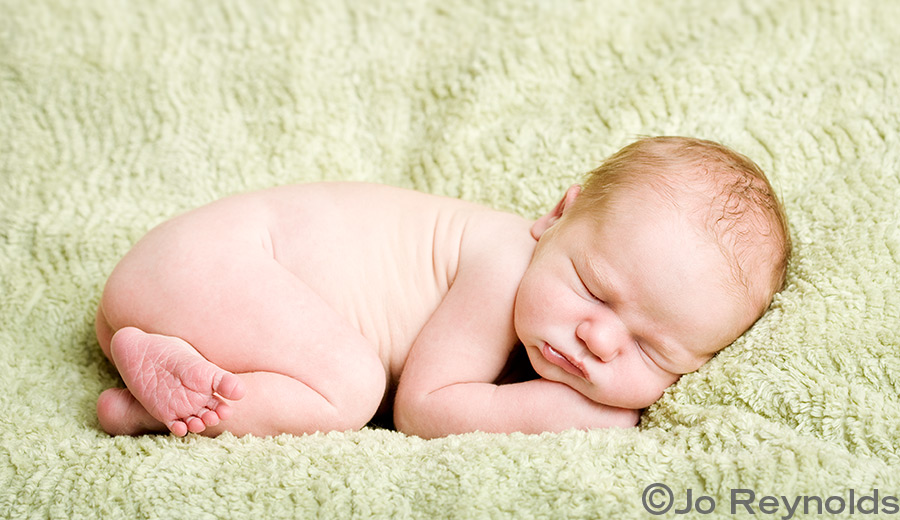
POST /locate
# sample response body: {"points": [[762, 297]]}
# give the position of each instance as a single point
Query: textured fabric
{"points": [[115, 116]]}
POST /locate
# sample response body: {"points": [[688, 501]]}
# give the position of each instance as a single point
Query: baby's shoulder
{"points": [[498, 242]]}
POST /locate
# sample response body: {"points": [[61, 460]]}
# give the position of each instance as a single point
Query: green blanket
{"points": [[115, 116]]}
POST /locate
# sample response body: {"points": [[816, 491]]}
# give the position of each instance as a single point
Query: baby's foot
{"points": [[121, 414], [173, 382]]}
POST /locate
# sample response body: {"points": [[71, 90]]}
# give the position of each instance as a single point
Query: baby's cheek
{"points": [[652, 393]]}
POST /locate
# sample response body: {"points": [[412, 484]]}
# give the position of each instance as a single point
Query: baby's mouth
{"points": [[559, 359]]}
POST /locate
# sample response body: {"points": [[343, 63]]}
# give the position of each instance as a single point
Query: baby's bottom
{"points": [[212, 334]]}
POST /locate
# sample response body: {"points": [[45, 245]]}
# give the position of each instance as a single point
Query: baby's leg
{"points": [[220, 318], [121, 413]]}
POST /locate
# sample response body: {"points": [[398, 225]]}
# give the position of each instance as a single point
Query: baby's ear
{"points": [[546, 222]]}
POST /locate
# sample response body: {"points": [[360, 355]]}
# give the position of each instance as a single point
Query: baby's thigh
{"points": [[220, 289], [181, 274]]}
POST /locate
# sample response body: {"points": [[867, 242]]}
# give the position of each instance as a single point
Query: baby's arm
{"points": [[447, 383]]}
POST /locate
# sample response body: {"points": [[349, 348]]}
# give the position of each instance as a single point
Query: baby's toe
{"points": [[178, 428], [230, 387], [210, 418], [195, 424], [223, 411]]}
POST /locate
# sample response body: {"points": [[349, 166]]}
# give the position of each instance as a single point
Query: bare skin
{"points": [[308, 308], [176, 385]]}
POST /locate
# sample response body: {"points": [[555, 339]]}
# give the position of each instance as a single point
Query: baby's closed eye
{"points": [[583, 287]]}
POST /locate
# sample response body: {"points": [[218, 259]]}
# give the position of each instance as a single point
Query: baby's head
{"points": [[670, 251], [723, 193]]}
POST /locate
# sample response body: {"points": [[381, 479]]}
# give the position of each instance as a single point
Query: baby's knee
{"points": [[358, 398]]}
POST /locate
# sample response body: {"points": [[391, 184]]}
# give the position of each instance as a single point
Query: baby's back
{"points": [[382, 257]]}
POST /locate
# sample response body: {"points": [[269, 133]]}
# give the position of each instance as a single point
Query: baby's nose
{"points": [[603, 339]]}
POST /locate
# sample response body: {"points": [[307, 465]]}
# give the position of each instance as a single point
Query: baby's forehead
{"points": [[729, 216]]}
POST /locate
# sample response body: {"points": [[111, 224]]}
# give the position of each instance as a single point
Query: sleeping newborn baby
{"points": [[315, 307]]}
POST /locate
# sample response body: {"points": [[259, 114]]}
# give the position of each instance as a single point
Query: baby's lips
{"points": [[554, 356]]}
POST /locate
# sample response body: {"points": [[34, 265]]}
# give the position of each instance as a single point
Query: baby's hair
{"points": [[728, 193]]}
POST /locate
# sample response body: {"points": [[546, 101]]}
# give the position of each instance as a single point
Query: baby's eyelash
{"points": [[584, 285], [644, 352]]}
